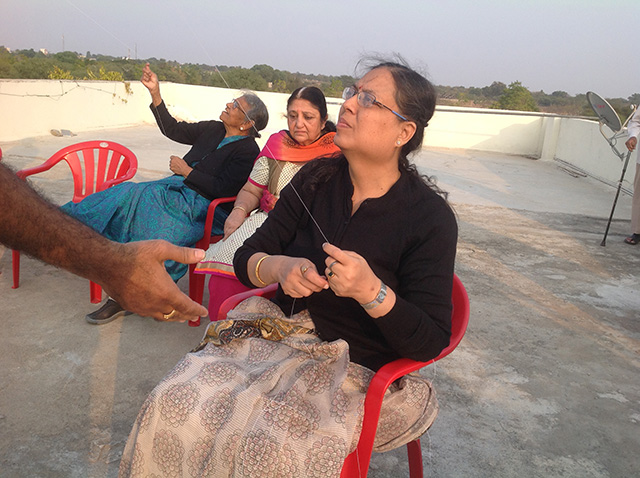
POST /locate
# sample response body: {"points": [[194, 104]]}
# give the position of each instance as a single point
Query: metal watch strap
{"points": [[379, 298]]}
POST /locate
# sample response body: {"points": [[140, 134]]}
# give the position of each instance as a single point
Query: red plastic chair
{"points": [[357, 463], [196, 281], [96, 166]]}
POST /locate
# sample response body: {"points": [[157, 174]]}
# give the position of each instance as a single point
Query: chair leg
{"points": [[196, 285], [15, 263], [414, 453], [96, 292], [196, 290]]}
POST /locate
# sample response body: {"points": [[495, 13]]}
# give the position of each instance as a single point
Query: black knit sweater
{"points": [[216, 172], [408, 237]]}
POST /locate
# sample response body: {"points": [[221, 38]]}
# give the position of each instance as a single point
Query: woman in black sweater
{"points": [[363, 250], [175, 208], [362, 241]]}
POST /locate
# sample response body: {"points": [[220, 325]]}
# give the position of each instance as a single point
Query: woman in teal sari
{"points": [[175, 208]]}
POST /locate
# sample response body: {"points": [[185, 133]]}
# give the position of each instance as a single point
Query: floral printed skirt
{"points": [[263, 396]]}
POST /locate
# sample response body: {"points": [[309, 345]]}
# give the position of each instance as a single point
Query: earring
{"points": [[241, 128], [398, 142]]}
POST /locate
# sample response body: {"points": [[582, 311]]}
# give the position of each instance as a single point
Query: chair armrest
{"points": [[208, 224], [234, 300], [48, 164], [112, 182], [379, 384]]}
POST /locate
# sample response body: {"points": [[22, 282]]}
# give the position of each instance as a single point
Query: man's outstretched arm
{"points": [[133, 274]]}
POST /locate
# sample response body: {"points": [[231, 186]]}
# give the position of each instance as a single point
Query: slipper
{"points": [[633, 239]]}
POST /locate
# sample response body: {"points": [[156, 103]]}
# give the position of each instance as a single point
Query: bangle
{"points": [[258, 269], [379, 298], [242, 209]]}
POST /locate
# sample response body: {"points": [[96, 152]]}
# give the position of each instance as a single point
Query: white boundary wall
{"points": [[31, 108]]}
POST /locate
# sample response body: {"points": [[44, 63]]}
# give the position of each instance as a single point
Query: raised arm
{"points": [[150, 80], [133, 274]]}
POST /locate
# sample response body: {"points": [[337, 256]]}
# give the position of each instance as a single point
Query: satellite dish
{"points": [[606, 114]]}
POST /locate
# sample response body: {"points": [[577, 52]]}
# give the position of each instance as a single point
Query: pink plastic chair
{"points": [[196, 281], [95, 166], [357, 463]]}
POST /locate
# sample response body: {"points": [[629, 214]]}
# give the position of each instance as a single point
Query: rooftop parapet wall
{"points": [[30, 108]]}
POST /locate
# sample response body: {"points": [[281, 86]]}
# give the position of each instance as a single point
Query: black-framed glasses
{"points": [[366, 99]]}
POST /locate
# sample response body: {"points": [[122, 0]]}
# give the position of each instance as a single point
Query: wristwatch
{"points": [[379, 298]]}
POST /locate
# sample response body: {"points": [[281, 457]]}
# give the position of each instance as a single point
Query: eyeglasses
{"points": [[367, 99], [234, 104]]}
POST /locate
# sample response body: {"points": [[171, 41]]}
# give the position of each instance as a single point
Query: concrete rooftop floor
{"points": [[545, 382]]}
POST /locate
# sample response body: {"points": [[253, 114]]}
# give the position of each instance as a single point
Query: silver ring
{"points": [[169, 315], [332, 264]]}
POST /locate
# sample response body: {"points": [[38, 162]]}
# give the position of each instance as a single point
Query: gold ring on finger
{"points": [[304, 269], [331, 274], [169, 315]]}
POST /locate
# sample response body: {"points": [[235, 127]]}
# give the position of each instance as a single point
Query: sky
{"points": [[551, 45]]}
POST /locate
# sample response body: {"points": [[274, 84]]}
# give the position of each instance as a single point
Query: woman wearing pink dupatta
{"points": [[310, 136]]}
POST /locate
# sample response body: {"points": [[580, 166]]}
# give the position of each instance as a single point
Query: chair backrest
{"points": [[95, 165], [459, 316]]}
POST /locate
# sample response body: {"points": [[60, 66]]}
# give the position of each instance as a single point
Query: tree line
{"points": [[31, 64]]}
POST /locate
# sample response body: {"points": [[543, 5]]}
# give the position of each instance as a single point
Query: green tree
{"points": [[104, 75], [335, 89], [59, 74], [516, 97], [495, 90], [634, 99]]}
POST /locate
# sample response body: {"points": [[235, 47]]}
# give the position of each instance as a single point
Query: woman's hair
{"points": [[315, 96], [257, 113]]}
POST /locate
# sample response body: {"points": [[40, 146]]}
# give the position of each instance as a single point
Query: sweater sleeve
{"points": [[419, 325], [278, 230], [179, 131], [633, 127], [230, 177]]}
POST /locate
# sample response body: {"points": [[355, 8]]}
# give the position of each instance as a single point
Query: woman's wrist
{"points": [[257, 270], [241, 208], [378, 299]]}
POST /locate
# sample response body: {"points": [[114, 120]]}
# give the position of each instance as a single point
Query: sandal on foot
{"points": [[633, 239], [111, 310]]}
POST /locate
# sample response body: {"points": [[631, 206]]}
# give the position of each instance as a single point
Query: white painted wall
{"points": [[30, 108]]}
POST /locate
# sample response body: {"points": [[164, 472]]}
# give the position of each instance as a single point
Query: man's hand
{"points": [[142, 284], [631, 143]]}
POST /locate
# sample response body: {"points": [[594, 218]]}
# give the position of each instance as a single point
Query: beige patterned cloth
{"points": [[271, 400]]}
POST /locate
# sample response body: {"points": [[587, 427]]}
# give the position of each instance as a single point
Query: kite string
{"points": [[277, 162], [228, 86]]}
